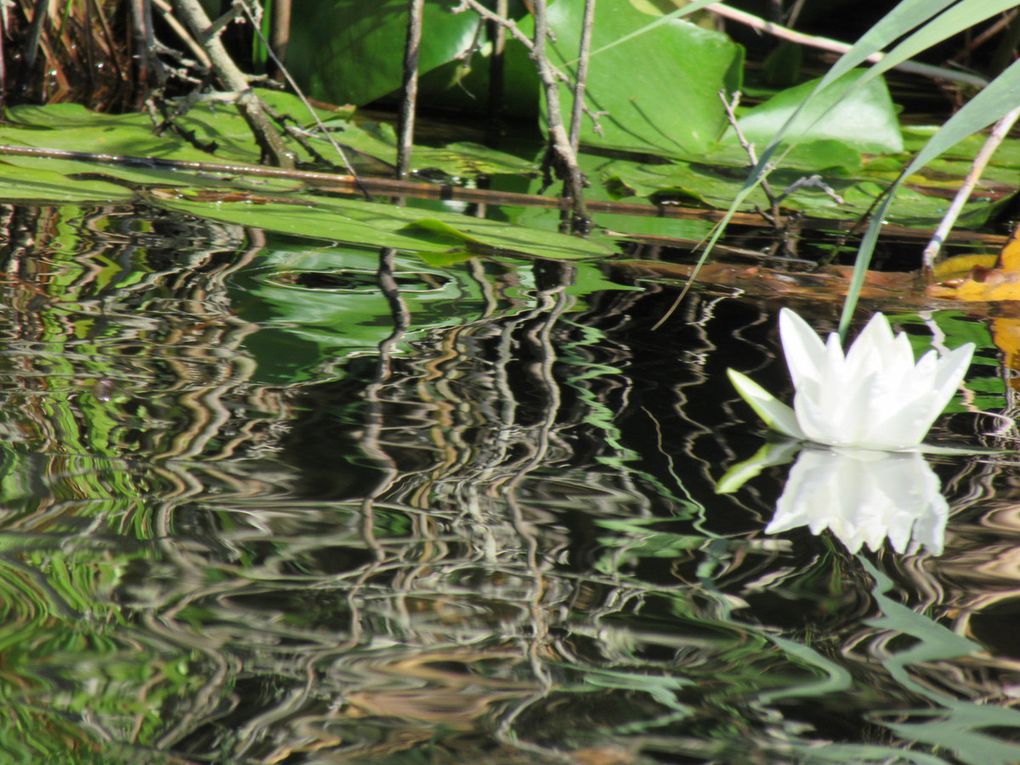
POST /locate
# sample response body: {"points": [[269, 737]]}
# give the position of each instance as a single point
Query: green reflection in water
{"points": [[268, 500]]}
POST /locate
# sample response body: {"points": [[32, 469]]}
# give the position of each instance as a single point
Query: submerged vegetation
{"points": [[363, 368]]}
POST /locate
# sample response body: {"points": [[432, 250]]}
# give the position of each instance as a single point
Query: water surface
{"points": [[274, 500]]}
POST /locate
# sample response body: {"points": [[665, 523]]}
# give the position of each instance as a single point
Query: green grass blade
{"points": [[951, 22], [1000, 97], [905, 17]]}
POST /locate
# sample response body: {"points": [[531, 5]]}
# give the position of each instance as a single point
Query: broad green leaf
{"points": [[218, 126], [462, 158], [660, 91], [74, 128], [862, 118], [350, 51], [809, 156], [924, 201], [40, 184], [1007, 156], [987, 107], [692, 7]]}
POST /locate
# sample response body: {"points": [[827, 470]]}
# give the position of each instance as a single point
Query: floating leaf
{"points": [[40, 184], [860, 117], [374, 224]]}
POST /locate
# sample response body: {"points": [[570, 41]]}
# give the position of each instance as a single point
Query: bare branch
{"points": [[405, 132], [996, 137], [300, 94], [485, 13], [273, 148], [824, 43], [748, 147], [583, 57]]}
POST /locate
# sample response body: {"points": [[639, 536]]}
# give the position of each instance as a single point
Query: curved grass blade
{"points": [[906, 16], [988, 106]]}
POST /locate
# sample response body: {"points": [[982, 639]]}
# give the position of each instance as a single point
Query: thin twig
{"points": [[550, 76], [141, 24], [559, 141], [497, 62], [281, 33], [422, 190], [485, 13], [731, 107], [405, 128], [996, 137], [171, 21], [583, 58], [327, 134], [811, 182], [509, 25]]}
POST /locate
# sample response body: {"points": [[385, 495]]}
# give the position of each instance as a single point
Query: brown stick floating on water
{"points": [[417, 189]]}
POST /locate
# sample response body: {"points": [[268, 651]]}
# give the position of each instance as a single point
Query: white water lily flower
{"points": [[864, 497], [873, 397]]}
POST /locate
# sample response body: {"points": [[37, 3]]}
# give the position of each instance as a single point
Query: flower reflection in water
{"points": [[863, 497]]}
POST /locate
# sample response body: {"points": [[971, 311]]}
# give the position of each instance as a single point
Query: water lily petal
{"points": [[871, 346], [950, 371], [772, 411], [805, 353], [907, 426], [874, 396]]}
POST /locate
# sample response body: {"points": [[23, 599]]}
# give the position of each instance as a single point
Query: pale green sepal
{"points": [[775, 453], [772, 411]]}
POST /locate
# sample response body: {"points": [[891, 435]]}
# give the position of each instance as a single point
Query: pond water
{"points": [[274, 500]]}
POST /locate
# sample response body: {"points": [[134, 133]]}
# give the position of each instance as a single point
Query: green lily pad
{"points": [[861, 117], [920, 202], [70, 127], [40, 184], [374, 224]]}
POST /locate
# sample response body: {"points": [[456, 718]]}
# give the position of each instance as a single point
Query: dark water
{"points": [[267, 500]]}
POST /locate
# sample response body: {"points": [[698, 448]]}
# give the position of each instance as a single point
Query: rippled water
{"points": [[267, 500]]}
